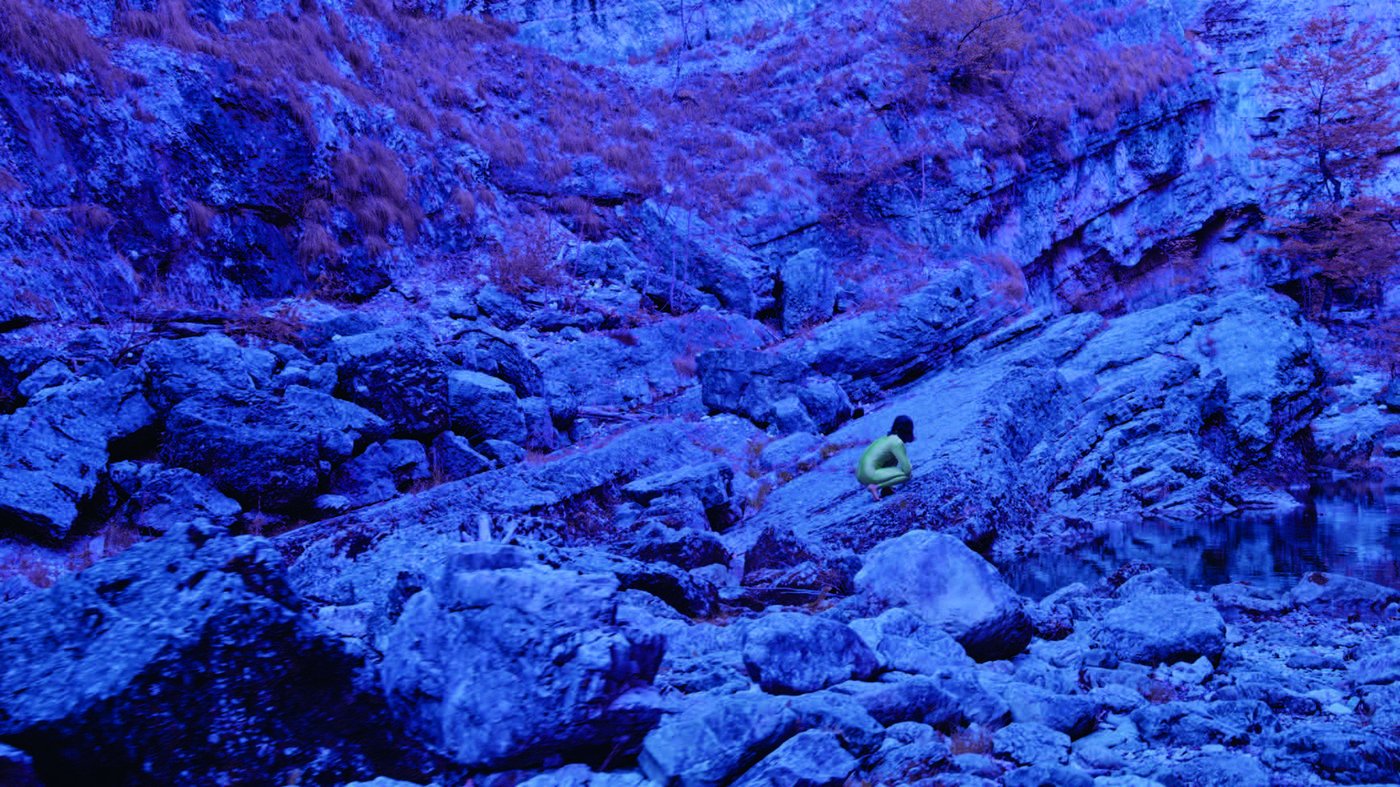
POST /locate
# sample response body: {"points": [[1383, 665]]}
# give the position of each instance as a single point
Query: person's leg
{"points": [[885, 477]]}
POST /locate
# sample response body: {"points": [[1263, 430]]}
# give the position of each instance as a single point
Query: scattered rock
{"points": [[938, 578], [396, 373], [381, 472], [714, 739], [504, 663], [808, 759], [189, 658], [1028, 743], [484, 408], [793, 653], [1342, 596], [1151, 628], [451, 458]]}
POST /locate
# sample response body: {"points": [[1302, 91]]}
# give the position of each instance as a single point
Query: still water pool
{"points": [[1344, 529]]}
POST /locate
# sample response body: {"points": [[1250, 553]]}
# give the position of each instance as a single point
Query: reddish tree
{"points": [[1340, 118]]}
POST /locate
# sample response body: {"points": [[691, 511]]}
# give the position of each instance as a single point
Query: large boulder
{"points": [[814, 758], [793, 653], [770, 389], [937, 577], [808, 291], [396, 373], [1151, 628], [1338, 595], [502, 661], [484, 407], [267, 452], [177, 369], [161, 499], [382, 471], [490, 351], [715, 738], [53, 450], [184, 660]]}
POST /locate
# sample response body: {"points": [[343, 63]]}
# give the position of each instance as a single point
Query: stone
{"points": [[178, 369], [786, 452], [511, 665], [904, 698], [684, 592], [1073, 715], [52, 373], [906, 643], [396, 373], [751, 383], [381, 472], [451, 458], [808, 289], [814, 758], [17, 768], [1233, 768], [1342, 596], [269, 453], [714, 739], [1150, 628], [793, 653], [858, 731], [497, 353], [188, 660], [484, 408], [938, 578], [53, 449], [164, 499], [681, 547], [1194, 724], [1345, 756], [1041, 775], [1378, 663], [1029, 743]]}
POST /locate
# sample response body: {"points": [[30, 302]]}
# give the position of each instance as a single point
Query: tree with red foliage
{"points": [[1341, 118]]}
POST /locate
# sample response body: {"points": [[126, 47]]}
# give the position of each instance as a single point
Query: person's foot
{"points": [[874, 492], [886, 492]]}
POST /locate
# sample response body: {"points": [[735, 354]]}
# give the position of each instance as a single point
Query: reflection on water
{"points": [[1353, 530]]}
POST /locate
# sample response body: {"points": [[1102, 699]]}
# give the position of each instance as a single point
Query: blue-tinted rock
{"points": [[685, 547], [484, 407], [1230, 723], [1150, 628], [808, 292], [1345, 756], [1236, 769], [792, 653], [898, 699], [1047, 776], [1029, 743], [451, 458], [752, 383], [499, 666], [1341, 596], [381, 472], [1074, 715], [164, 499], [396, 373], [1379, 662], [858, 731], [938, 578], [17, 768], [268, 453], [715, 739], [813, 758], [178, 369], [53, 449], [51, 374], [496, 353], [188, 660], [907, 643]]}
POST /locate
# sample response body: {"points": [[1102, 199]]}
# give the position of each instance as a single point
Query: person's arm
{"points": [[898, 450]]}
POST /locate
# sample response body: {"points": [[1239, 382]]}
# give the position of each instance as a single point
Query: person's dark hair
{"points": [[904, 427]]}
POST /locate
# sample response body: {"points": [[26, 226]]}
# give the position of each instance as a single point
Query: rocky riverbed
{"points": [[454, 393]]}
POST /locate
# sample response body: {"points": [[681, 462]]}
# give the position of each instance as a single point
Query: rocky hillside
{"points": [[457, 393]]}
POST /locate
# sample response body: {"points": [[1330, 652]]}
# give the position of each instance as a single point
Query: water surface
{"points": [[1344, 529]]}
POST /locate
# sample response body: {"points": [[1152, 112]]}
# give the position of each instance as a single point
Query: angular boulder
{"points": [[714, 739], [1151, 629], [1341, 596], [177, 369], [503, 661], [185, 660], [808, 291], [451, 457], [53, 449], [484, 408], [753, 383], [940, 579], [162, 499], [382, 471], [396, 373], [814, 758], [793, 653], [267, 452]]}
